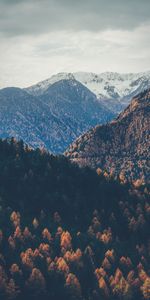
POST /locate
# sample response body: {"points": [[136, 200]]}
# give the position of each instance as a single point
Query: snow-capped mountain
{"points": [[114, 85], [41, 87], [106, 86]]}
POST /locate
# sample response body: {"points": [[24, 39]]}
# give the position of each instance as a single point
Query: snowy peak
{"points": [[41, 87], [105, 86], [114, 85]]}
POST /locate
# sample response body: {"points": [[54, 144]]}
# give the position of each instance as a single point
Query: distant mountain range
{"points": [[53, 113], [114, 90], [121, 147]]}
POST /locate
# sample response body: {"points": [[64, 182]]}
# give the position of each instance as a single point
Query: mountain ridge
{"points": [[106, 86], [120, 147]]}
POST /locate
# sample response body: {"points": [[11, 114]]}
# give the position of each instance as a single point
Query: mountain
{"points": [[55, 112], [75, 106], [114, 90], [120, 147], [52, 120]]}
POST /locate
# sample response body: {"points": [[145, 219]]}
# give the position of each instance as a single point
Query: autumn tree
{"points": [[36, 284], [146, 288], [73, 286]]}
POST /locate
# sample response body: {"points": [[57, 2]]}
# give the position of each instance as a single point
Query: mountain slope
{"points": [[114, 90], [19, 116], [52, 120], [123, 146], [71, 100], [77, 109]]}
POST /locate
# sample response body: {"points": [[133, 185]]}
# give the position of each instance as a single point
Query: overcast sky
{"points": [[39, 38]]}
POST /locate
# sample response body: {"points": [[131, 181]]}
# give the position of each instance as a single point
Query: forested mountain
{"points": [[69, 233], [121, 147], [53, 120]]}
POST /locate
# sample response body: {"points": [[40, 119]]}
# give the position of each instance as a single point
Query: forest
{"points": [[70, 233]]}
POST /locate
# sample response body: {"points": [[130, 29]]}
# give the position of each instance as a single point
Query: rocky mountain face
{"points": [[121, 147], [51, 120], [114, 90]]}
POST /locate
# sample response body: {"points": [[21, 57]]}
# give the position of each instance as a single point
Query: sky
{"points": [[39, 38]]}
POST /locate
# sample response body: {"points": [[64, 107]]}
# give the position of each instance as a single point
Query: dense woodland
{"points": [[70, 233]]}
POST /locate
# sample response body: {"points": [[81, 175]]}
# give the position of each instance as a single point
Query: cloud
{"points": [[32, 17], [26, 60], [42, 37]]}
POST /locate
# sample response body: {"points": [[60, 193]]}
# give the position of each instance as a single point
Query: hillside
{"points": [[121, 147], [53, 120], [68, 233]]}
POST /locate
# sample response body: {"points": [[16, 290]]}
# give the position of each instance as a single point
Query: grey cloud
{"points": [[29, 59], [18, 17]]}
